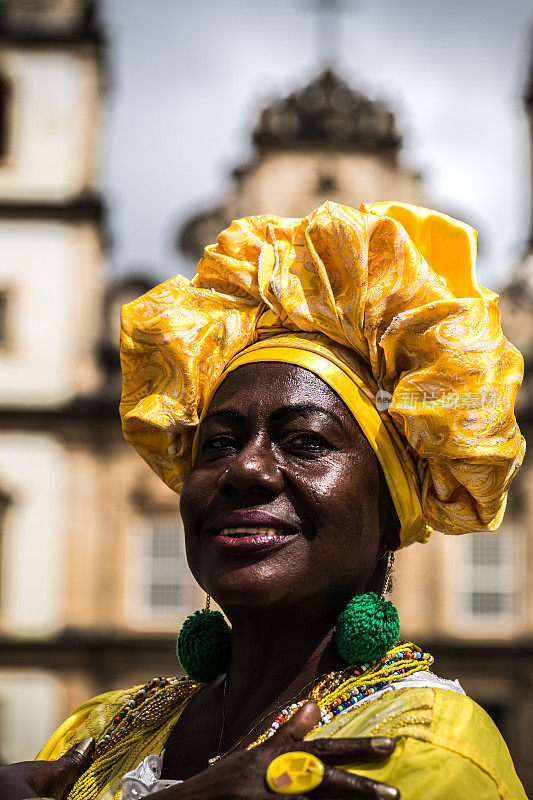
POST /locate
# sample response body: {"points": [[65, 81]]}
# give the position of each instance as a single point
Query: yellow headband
{"points": [[397, 467]]}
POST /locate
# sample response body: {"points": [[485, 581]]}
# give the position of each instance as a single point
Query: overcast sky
{"points": [[188, 79]]}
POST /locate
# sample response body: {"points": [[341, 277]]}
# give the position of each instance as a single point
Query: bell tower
{"points": [[50, 211], [51, 285]]}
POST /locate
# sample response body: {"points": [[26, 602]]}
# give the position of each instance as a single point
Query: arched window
{"points": [[5, 502], [5, 113]]}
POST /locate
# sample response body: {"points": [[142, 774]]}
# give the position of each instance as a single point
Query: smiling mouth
{"points": [[249, 539], [241, 532]]}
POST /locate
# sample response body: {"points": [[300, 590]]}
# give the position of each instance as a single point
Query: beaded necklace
{"points": [[149, 708], [128, 716], [157, 701], [339, 692]]}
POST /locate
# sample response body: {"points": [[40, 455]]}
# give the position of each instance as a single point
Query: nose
{"points": [[253, 471]]}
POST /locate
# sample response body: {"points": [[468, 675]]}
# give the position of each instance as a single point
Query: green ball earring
{"points": [[369, 625], [367, 628], [204, 644]]}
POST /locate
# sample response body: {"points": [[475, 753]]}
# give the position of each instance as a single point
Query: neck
{"points": [[275, 660]]}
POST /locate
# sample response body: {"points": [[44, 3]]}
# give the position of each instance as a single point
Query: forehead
{"points": [[268, 385]]}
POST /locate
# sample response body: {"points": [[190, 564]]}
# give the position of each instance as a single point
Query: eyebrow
{"points": [[224, 413], [283, 411], [305, 408]]}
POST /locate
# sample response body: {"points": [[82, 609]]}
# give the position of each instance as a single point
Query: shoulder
{"points": [[108, 716], [88, 719], [447, 745]]}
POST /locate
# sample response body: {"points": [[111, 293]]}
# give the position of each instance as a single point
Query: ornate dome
{"points": [[327, 111]]}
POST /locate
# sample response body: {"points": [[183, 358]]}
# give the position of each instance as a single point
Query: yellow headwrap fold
{"points": [[383, 304]]}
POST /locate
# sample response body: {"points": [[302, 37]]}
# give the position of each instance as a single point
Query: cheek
{"points": [[198, 490], [343, 509], [196, 495], [347, 488], [187, 501]]}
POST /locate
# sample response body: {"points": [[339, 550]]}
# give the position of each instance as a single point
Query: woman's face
{"points": [[285, 502]]}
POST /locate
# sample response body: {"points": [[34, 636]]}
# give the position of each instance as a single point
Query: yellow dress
{"points": [[447, 747]]}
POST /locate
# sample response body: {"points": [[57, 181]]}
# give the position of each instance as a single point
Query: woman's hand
{"points": [[241, 776], [51, 779]]}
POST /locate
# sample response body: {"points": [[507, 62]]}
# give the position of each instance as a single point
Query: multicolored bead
{"points": [[360, 682]]}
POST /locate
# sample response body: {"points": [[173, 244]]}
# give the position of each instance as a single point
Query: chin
{"points": [[251, 578], [253, 586]]}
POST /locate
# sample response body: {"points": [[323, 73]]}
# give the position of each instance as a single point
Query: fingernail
{"points": [[388, 792], [383, 744], [86, 746]]}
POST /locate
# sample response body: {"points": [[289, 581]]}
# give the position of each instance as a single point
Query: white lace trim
{"points": [[417, 679], [427, 679], [145, 779]]}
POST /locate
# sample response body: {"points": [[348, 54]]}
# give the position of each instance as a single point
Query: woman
{"points": [[304, 394]]}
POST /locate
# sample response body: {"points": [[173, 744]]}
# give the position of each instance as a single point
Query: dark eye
{"points": [[219, 444], [308, 443]]}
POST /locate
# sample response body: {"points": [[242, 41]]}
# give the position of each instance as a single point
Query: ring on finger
{"points": [[295, 772]]}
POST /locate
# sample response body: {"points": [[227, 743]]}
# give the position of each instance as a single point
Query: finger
{"points": [[298, 726], [348, 750], [338, 784], [54, 778], [76, 760], [85, 748]]}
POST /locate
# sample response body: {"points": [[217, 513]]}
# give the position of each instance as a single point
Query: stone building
{"points": [[325, 141], [93, 576]]}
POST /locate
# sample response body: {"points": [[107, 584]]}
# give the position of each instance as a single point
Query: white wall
{"points": [[287, 181], [33, 471], [52, 119], [40, 266], [27, 696]]}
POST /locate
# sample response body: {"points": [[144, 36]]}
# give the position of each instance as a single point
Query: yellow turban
{"points": [[383, 304]]}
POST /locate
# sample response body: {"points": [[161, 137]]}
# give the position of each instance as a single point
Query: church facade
{"points": [[92, 569]]}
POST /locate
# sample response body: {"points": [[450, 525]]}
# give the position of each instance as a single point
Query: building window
{"points": [[3, 726], [326, 184], [489, 590], [4, 326], [5, 502], [5, 117], [166, 586]]}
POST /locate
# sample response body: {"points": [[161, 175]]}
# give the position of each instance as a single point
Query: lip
{"points": [[281, 533], [246, 545], [251, 518]]}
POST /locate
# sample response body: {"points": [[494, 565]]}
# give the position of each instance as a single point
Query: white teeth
{"points": [[237, 532]]}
